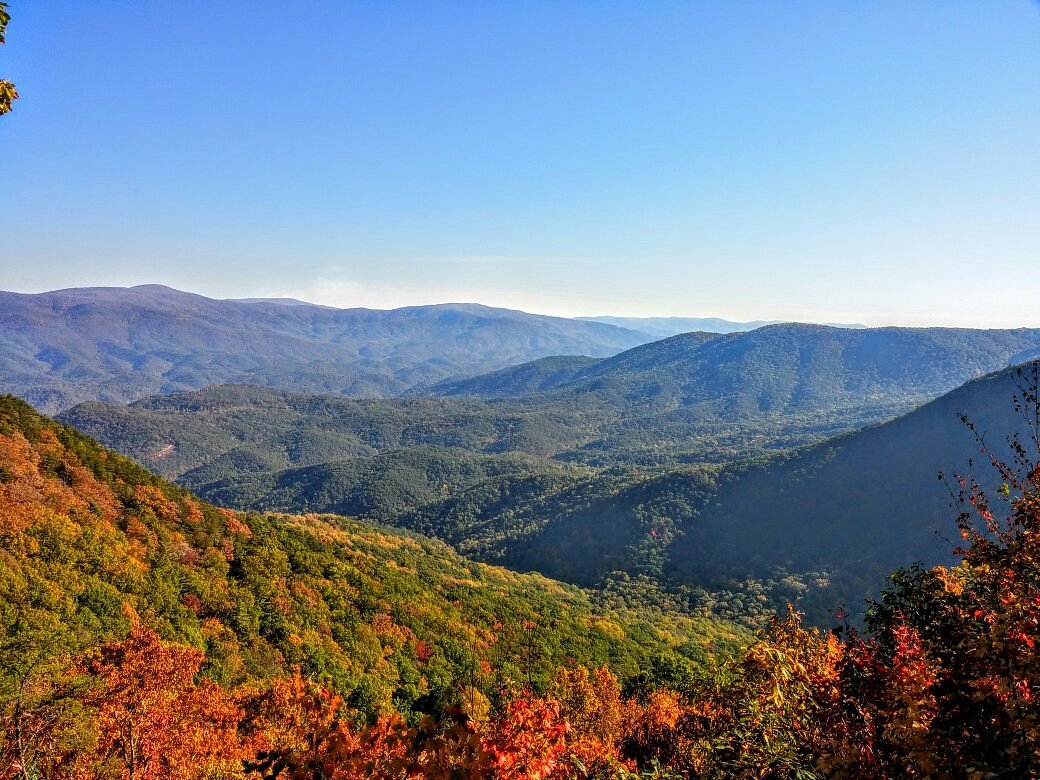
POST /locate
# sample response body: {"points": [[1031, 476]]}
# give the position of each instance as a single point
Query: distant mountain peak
{"points": [[277, 301]]}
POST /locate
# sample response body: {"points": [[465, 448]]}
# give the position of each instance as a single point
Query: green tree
{"points": [[8, 94]]}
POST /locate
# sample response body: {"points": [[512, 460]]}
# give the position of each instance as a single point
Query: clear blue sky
{"points": [[855, 161]]}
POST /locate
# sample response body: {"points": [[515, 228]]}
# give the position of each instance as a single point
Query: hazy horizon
{"points": [[460, 302]]}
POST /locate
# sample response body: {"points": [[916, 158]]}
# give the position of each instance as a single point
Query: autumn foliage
{"points": [[945, 683], [151, 718]]}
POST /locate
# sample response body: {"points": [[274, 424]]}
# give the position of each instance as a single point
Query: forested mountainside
{"points": [[266, 449], [264, 429], [93, 543], [782, 369], [148, 634], [120, 344], [709, 397], [695, 398], [818, 527]]}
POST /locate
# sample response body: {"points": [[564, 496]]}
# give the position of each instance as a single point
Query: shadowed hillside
{"points": [[821, 526], [858, 506]]}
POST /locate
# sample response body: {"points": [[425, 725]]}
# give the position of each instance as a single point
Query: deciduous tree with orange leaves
{"points": [[151, 718]]}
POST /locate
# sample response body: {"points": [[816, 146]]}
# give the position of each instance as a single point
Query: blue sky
{"points": [[875, 162]]}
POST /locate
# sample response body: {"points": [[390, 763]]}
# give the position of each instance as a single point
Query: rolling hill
{"points": [[379, 487], [121, 344], [787, 369], [264, 429]]}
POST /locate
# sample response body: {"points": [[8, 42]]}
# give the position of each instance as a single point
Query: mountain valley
{"points": [[720, 468]]}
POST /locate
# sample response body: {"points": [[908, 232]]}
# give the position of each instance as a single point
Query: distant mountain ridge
{"points": [[663, 327], [776, 369], [120, 344], [279, 301]]}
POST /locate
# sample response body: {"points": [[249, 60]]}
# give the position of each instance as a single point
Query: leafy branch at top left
{"points": [[8, 94]]}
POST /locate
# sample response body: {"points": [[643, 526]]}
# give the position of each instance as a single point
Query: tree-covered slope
{"points": [[820, 526], [378, 487], [858, 506], [787, 369], [90, 543], [264, 429], [534, 377], [942, 686], [807, 527], [118, 344]]}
